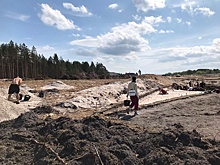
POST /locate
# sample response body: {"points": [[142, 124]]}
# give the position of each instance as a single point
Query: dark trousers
{"points": [[134, 102], [14, 88]]}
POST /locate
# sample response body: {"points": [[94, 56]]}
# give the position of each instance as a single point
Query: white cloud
{"points": [[79, 11], [205, 11], [17, 16], [136, 17], [55, 18], [47, 47], [132, 57], [188, 23], [121, 43], [86, 42], [110, 60], [169, 19], [146, 5], [113, 6], [121, 10], [124, 39], [84, 52], [45, 50], [192, 7], [76, 35], [216, 45], [166, 31], [153, 20], [179, 20], [188, 6], [196, 54]]}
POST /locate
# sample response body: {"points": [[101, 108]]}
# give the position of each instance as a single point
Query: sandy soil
{"points": [[201, 113], [97, 95], [86, 123], [172, 93]]}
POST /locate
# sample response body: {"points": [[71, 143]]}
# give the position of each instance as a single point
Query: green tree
{"points": [[92, 68], [85, 67], [56, 66], [25, 61], [76, 67], [101, 70], [20, 60], [50, 65]]}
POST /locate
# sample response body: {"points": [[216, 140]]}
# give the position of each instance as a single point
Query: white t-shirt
{"points": [[132, 85]]}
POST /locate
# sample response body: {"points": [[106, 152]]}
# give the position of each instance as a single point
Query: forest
{"points": [[19, 60], [195, 72]]}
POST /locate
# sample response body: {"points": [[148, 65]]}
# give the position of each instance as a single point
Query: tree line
{"points": [[195, 72], [19, 60]]}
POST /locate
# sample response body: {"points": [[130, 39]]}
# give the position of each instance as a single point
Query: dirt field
{"points": [[200, 113], [184, 129]]}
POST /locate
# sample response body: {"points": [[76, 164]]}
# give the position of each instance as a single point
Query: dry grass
{"points": [[78, 84]]}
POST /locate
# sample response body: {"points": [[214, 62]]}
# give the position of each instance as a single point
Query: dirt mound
{"points": [[9, 110], [37, 137], [105, 96], [57, 85]]}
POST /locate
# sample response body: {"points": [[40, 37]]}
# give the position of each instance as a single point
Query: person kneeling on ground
{"points": [[15, 88], [133, 93]]}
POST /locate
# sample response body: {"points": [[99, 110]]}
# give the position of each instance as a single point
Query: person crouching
{"points": [[15, 88]]}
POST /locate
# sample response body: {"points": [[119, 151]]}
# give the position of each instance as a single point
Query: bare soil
{"points": [[179, 131]]}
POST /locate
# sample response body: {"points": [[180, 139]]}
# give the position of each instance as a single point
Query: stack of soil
{"points": [[34, 139]]}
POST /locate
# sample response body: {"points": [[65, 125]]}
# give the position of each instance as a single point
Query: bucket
{"points": [[127, 102]]}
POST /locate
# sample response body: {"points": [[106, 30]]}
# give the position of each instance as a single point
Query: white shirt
{"points": [[132, 85]]}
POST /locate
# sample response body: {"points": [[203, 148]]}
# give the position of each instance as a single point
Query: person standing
{"points": [[15, 88], [133, 93]]}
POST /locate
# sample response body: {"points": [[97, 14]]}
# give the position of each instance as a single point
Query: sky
{"points": [[153, 36]]}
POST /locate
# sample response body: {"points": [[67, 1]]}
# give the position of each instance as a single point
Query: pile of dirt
{"points": [[57, 85], [105, 96], [10, 110], [38, 137]]}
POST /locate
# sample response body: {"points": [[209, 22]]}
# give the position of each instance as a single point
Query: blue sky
{"points": [[154, 36]]}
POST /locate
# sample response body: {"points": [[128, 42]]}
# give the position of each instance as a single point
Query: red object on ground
{"points": [[163, 91]]}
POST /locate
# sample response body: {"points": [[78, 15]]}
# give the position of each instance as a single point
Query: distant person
{"points": [[133, 93], [197, 84], [15, 88], [190, 84], [139, 72], [202, 84]]}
